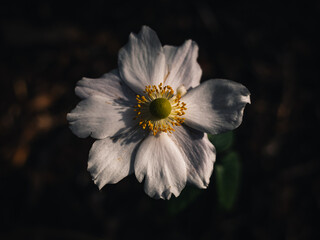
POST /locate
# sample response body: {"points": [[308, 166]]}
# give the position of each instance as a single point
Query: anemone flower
{"points": [[151, 117]]}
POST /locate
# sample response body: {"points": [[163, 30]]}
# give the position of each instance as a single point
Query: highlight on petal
{"points": [[155, 90], [110, 86], [100, 118], [216, 106], [111, 159], [199, 154], [160, 163], [183, 68], [142, 61]]}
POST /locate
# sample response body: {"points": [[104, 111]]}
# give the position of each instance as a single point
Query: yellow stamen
{"points": [[158, 123]]}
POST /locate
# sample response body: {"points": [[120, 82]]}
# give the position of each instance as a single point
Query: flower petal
{"points": [[183, 66], [141, 61], [216, 106], [161, 164], [111, 159], [109, 85], [100, 118], [199, 152]]}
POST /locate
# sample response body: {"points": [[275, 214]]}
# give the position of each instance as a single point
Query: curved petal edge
{"points": [[216, 106], [160, 163]]}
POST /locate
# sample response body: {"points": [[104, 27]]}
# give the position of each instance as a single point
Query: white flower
{"points": [[151, 116]]}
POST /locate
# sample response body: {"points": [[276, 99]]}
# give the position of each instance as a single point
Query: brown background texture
{"points": [[269, 46]]}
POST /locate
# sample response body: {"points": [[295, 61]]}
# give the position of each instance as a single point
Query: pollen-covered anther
{"points": [[159, 110]]}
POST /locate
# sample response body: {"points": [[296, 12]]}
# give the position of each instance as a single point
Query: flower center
{"points": [[159, 109]]}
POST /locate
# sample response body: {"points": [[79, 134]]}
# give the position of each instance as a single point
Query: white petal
{"points": [[216, 106], [161, 164], [100, 118], [183, 66], [111, 159], [199, 153], [141, 61], [109, 85]]}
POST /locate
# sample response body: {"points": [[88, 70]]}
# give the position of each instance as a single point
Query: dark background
{"points": [[47, 46]]}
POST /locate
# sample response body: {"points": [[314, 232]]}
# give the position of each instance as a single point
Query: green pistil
{"points": [[160, 108]]}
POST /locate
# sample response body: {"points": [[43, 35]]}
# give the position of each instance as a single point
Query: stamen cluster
{"points": [[153, 123]]}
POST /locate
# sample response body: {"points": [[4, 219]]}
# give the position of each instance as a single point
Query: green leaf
{"points": [[222, 141], [227, 175]]}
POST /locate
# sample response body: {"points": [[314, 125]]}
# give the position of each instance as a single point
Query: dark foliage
{"points": [[269, 46]]}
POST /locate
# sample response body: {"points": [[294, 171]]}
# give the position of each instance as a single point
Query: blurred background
{"points": [[269, 46]]}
